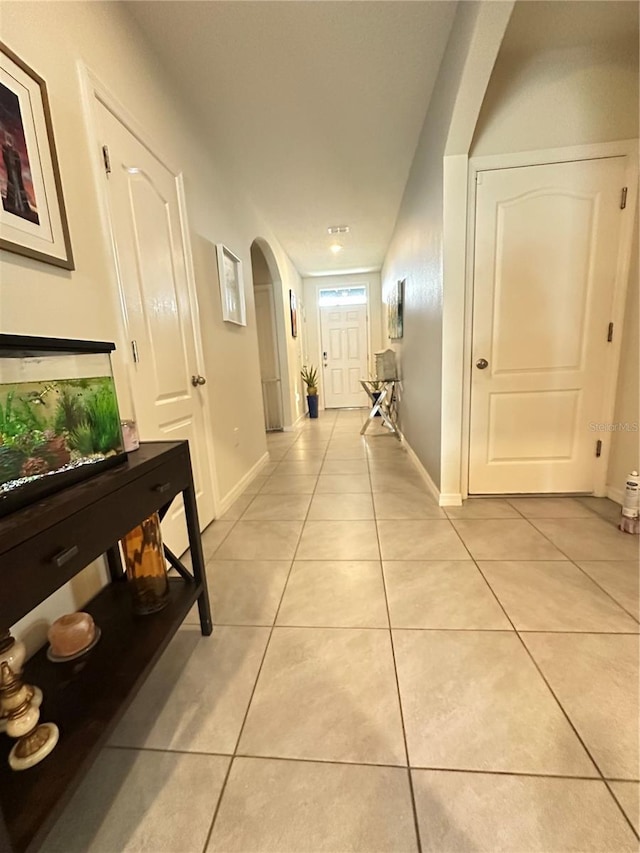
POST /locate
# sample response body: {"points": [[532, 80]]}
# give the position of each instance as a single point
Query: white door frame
{"points": [[320, 286], [94, 90], [268, 288], [626, 148]]}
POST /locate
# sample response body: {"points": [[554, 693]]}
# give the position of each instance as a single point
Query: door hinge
{"points": [[106, 159], [610, 333], [599, 447], [623, 198], [134, 350]]}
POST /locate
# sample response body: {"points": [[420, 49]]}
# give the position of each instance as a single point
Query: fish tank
{"points": [[59, 418]]}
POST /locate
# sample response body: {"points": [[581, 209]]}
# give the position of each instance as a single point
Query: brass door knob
{"points": [[481, 363], [198, 380]]}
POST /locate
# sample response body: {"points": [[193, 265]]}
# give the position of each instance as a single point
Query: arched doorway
{"points": [[267, 289]]}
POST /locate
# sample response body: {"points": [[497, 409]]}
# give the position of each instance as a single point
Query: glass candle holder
{"points": [[145, 564], [130, 435]]}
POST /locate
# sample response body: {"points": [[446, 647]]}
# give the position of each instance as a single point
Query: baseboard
{"points": [[242, 484], [450, 499], [295, 423], [615, 494], [435, 491]]}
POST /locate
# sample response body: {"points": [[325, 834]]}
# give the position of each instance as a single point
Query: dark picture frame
{"points": [[33, 218], [293, 307], [395, 311]]}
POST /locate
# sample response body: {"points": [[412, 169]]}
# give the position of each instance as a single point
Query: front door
{"points": [[343, 331], [546, 253], [150, 256]]}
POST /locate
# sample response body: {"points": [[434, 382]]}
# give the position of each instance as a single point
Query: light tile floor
{"points": [[384, 675]]}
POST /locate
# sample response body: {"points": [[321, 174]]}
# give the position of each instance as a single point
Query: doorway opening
{"points": [[267, 290], [344, 339]]}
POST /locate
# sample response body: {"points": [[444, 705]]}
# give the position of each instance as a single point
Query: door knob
{"points": [[481, 363], [198, 380]]}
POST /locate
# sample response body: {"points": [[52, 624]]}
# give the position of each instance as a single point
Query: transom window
{"points": [[343, 296]]}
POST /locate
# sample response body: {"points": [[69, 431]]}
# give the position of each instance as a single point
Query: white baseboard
{"points": [[242, 484], [295, 423], [450, 499], [615, 494], [435, 491]]}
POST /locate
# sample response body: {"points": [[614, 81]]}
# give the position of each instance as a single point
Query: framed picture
{"points": [[293, 306], [395, 310], [33, 221], [231, 286]]}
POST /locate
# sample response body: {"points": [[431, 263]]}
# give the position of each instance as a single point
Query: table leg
{"points": [[377, 407], [197, 558]]}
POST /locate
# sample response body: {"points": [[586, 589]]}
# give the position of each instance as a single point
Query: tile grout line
{"points": [[257, 679], [571, 560], [416, 823], [194, 625], [433, 769], [559, 703]]}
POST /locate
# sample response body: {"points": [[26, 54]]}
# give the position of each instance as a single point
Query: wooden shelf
{"points": [[86, 698], [41, 548]]}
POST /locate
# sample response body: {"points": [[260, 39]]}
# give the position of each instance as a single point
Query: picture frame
{"points": [[293, 307], [395, 311], [231, 286], [33, 218]]}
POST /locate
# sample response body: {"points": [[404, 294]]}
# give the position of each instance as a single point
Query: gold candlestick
{"points": [[14, 652], [35, 741]]}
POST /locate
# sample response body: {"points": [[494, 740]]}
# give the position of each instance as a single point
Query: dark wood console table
{"points": [[41, 548]]}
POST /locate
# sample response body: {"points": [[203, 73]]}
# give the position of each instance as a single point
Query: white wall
{"points": [[557, 98], [312, 287], [415, 254], [38, 299], [625, 445]]}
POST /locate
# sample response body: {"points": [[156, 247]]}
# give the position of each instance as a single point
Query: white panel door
{"points": [[150, 255], [547, 245], [344, 355]]}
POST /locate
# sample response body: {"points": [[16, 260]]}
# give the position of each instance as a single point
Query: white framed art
{"points": [[231, 286], [33, 220]]}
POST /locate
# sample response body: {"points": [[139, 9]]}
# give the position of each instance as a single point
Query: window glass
{"points": [[343, 296]]}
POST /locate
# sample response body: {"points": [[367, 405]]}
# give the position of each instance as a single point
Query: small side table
{"points": [[385, 404]]}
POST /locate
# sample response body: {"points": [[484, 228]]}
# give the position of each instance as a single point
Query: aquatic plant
{"points": [[69, 410], [99, 430]]}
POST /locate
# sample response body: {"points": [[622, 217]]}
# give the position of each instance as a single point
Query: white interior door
{"points": [[343, 330], [150, 254], [546, 252], [268, 351]]}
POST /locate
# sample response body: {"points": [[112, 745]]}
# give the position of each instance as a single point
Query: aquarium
{"points": [[59, 419]]}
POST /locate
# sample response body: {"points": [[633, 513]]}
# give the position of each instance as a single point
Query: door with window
{"points": [[546, 257], [344, 334], [158, 315]]}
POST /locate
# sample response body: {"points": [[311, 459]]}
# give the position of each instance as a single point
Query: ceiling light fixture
{"points": [[335, 248]]}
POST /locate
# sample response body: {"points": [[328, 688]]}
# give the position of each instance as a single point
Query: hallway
{"points": [[361, 629]]}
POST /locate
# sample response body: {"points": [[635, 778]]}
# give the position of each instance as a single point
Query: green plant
{"points": [[102, 414], [310, 379], [69, 411], [81, 439]]}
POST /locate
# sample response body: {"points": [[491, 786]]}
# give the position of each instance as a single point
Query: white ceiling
{"points": [[319, 105]]}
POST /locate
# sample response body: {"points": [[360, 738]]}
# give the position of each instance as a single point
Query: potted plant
{"points": [[310, 379]]}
